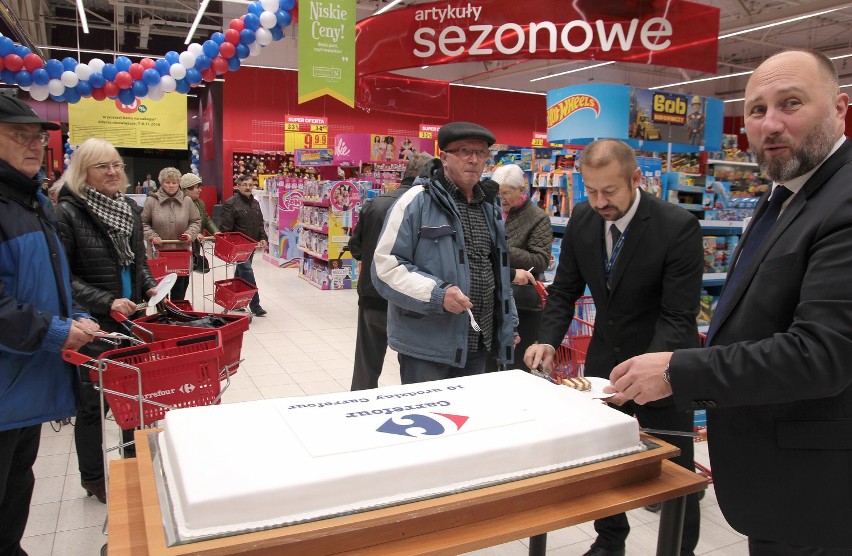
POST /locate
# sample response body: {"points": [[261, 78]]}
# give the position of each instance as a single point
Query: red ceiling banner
{"points": [[403, 95], [672, 33]]}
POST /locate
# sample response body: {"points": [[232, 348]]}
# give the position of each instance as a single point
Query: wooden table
{"points": [[446, 525]]}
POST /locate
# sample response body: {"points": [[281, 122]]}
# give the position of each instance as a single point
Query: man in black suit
{"points": [[776, 376], [642, 259]]}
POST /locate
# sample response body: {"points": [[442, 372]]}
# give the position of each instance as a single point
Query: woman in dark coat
{"points": [[102, 235]]}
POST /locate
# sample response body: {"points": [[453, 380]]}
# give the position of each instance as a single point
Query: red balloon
{"points": [[209, 74], [227, 50], [2, 63], [111, 89], [32, 62], [98, 93], [124, 80], [135, 72], [237, 25], [146, 63], [220, 65], [232, 36], [14, 62]]}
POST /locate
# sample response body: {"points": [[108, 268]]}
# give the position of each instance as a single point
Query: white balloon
{"points": [[83, 71], [269, 5], [24, 87], [268, 20], [55, 87], [194, 151], [194, 168], [178, 71], [262, 37], [255, 48], [39, 92], [156, 92], [195, 48], [96, 64], [168, 84], [69, 79]]}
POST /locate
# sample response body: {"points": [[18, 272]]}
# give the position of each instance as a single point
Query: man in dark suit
{"points": [[642, 259], [776, 376], [371, 341]]}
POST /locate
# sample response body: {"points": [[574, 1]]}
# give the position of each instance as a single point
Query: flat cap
{"points": [[16, 111], [455, 131]]}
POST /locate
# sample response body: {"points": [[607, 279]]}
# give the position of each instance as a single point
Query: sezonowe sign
{"points": [[662, 32]]}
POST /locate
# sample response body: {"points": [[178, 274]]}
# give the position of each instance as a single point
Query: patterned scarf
{"points": [[117, 216]]}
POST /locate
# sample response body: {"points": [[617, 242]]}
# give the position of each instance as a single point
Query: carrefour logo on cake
{"points": [[567, 106], [510, 38], [423, 424]]}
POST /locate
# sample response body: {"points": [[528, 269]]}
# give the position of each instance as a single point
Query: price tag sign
{"points": [[426, 135], [539, 139], [318, 128], [305, 132]]}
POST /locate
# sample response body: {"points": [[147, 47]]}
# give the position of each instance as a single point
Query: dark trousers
{"points": [[246, 272], [88, 436], [415, 370], [178, 291], [18, 451], [612, 531], [371, 343], [528, 323], [757, 547]]}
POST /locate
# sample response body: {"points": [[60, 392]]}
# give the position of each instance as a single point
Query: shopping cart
{"points": [[230, 249]]}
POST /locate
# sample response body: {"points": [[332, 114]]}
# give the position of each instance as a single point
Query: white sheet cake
{"points": [[247, 466]]}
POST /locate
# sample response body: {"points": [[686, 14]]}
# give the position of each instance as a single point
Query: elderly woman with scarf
{"points": [[102, 235]]}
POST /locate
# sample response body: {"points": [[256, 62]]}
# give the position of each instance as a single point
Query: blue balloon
{"points": [[162, 66], [84, 88], [251, 21], [109, 71], [126, 96], [54, 68], [8, 76], [24, 78], [58, 98], [286, 5], [22, 51], [96, 79], [255, 8], [172, 57], [193, 76], [194, 160], [69, 63], [202, 62], [247, 37], [284, 18], [71, 95], [151, 76], [68, 150], [40, 76], [182, 86], [123, 63], [242, 51], [210, 49], [233, 63], [139, 88], [6, 46], [277, 33], [217, 37]]}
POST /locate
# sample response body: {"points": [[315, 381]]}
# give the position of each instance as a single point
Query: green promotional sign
{"points": [[327, 50]]}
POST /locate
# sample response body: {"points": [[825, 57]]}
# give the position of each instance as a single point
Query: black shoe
{"points": [[598, 551], [259, 312], [654, 508], [239, 310], [96, 489]]}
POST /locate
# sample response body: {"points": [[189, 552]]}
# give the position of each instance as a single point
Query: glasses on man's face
{"points": [[467, 152], [25, 139], [105, 167]]}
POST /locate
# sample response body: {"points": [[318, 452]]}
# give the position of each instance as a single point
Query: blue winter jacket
{"points": [[419, 255], [35, 308]]}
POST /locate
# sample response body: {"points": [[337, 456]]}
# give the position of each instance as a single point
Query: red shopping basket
{"points": [[232, 335], [570, 358], [158, 268], [234, 293], [181, 372], [233, 247], [178, 261]]}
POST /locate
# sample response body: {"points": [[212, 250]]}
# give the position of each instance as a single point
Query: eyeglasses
{"points": [[105, 167], [466, 152], [26, 139]]}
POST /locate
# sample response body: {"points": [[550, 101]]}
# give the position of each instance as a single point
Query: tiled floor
{"points": [[304, 346]]}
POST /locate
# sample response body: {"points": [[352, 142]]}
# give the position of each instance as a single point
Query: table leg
{"points": [[671, 527], [538, 545]]}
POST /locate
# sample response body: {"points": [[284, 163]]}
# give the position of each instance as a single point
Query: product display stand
{"points": [[449, 524]]}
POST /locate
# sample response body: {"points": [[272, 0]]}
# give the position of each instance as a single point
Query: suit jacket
{"points": [[778, 374], [656, 284]]}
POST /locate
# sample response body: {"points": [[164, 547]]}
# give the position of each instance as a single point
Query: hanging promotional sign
{"points": [[143, 124], [327, 50], [305, 132], [649, 119], [674, 33], [355, 148]]}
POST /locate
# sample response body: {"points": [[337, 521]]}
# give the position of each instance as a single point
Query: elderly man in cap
{"points": [[442, 263], [36, 385]]}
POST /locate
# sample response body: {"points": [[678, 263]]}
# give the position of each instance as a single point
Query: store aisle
{"points": [[305, 345]]}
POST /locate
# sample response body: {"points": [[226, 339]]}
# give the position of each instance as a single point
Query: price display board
{"points": [[430, 131], [305, 132]]}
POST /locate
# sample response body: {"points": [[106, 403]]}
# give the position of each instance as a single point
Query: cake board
{"points": [[445, 525]]}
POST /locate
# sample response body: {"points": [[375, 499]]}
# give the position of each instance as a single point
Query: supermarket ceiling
{"points": [[153, 27]]}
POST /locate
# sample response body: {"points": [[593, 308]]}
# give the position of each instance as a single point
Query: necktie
{"points": [[615, 233], [751, 246]]}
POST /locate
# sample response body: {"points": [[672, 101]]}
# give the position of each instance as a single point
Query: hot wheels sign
{"points": [[675, 33], [568, 106]]}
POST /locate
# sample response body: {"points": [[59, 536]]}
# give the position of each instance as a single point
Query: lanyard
{"points": [[616, 250]]}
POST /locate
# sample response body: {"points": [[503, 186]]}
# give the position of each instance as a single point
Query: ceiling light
{"points": [[782, 22], [497, 89], [195, 23], [572, 71], [83, 21], [389, 6], [702, 80]]}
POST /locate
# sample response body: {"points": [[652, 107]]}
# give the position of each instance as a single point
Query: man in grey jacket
{"points": [[442, 263]]}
